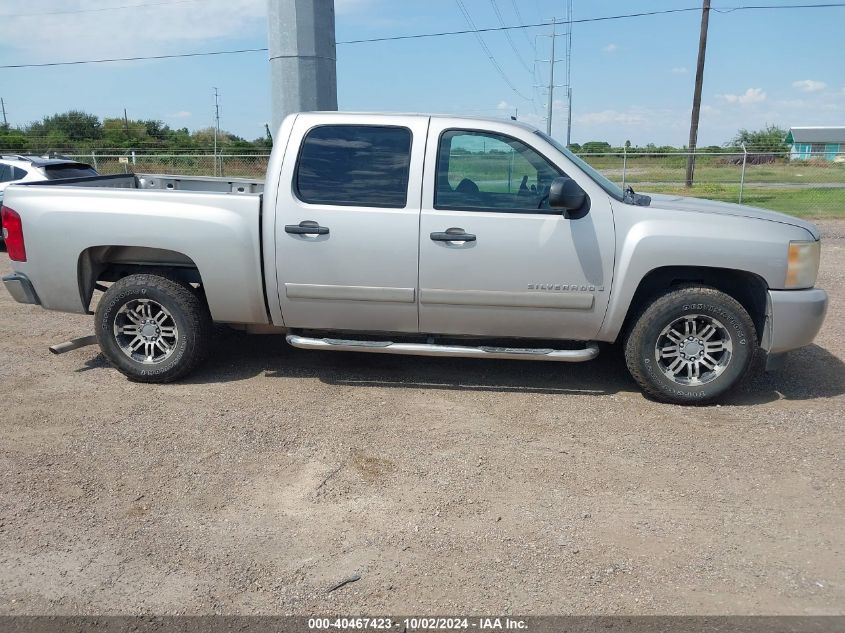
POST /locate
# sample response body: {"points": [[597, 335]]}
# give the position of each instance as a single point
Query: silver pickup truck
{"points": [[427, 235]]}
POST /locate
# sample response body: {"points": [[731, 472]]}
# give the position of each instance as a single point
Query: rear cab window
{"points": [[354, 165]]}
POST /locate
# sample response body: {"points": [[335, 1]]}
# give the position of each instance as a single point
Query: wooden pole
{"points": [[696, 99]]}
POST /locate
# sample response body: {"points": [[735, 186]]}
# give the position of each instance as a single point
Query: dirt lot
{"points": [[448, 486]]}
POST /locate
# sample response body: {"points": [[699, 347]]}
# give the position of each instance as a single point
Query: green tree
{"points": [[13, 140], [595, 147], [768, 139], [73, 125]]}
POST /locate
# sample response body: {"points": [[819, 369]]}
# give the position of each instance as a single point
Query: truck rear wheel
{"points": [[153, 328], [691, 346]]}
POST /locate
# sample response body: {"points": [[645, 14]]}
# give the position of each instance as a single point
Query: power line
{"points": [[136, 59], [508, 36], [125, 6], [430, 35], [522, 23], [487, 51], [597, 19]]}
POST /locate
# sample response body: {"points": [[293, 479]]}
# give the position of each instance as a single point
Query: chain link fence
{"points": [[253, 166], [810, 187]]}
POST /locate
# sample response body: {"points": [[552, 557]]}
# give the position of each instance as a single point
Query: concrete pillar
{"points": [[303, 69]]}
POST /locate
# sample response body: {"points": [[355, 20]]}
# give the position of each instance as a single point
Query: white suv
{"points": [[15, 169], [18, 169]]}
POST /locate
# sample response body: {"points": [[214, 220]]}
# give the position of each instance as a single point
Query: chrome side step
{"points": [[430, 349]]}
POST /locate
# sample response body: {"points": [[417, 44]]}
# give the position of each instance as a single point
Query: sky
{"points": [[631, 79]]}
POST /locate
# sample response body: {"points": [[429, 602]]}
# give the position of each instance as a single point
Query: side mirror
{"points": [[566, 194]]}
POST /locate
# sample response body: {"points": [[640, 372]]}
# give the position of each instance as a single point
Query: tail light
{"points": [[13, 234]]}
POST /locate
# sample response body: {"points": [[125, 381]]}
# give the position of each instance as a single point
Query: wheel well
{"points": [[747, 288], [111, 263]]}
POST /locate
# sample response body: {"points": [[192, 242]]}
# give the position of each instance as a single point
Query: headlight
{"points": [[802, 264]]}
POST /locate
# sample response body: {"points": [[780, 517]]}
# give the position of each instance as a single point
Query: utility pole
{"points": [[569, 73], [125, 124], [216, 126], [3, 106], [550, 88], [696, 99], [303, 70], [551, 80]]}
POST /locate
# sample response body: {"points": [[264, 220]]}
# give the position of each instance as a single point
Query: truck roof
{"points": [[489, 119]]}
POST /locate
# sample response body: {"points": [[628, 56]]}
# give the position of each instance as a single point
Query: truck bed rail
{"points": [[164, 182]]}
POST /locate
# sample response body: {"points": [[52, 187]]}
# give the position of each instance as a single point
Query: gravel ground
{"points": [[449, 486]]}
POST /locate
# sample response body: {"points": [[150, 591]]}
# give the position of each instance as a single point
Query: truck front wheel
{"points": [[691, 346], [153, 328]]}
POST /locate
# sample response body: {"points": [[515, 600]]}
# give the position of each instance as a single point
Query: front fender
{"points": [[666, 238]]}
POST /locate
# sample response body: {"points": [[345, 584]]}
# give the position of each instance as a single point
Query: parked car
{"points": [[15, 168], [426, 235]]}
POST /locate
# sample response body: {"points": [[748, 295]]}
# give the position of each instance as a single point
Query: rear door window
{"points": [[354, 165]]}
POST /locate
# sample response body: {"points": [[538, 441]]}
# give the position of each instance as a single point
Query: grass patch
{"points": [[803, 203]]}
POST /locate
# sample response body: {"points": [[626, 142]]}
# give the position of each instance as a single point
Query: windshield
{"points": [[609, 186]]}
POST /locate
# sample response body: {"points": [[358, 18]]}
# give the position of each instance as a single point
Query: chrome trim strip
{"points": [[491, 298], [426, 349], [349, 293]]}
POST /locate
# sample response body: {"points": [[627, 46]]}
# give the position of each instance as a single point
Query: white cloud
{"points": [[129, 32], [809, 85], [182, 114], [752, 95], [679, 70], [610, 48], [793, 103], [504, 105]]}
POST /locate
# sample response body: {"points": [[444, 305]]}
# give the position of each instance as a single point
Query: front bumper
{"points": [[20, 288], [794, 318]]}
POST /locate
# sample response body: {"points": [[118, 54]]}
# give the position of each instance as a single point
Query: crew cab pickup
{"points": [[426, 235]]}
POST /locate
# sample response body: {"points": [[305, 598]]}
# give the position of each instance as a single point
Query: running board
{"points": [[430, 349]]}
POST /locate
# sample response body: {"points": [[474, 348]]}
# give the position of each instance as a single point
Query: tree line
{"points": [[769, 139], [79, 132]]}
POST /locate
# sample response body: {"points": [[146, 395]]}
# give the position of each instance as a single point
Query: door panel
{"points": [[361, 272], [529, 272]]}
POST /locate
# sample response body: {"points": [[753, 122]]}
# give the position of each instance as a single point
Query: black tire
{"points": [[699, 305], [187, 312]]}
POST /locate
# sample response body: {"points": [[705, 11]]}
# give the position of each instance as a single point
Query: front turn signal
{"points": [[802, 264]]}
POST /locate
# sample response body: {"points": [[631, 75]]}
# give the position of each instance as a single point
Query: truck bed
{"points": [[212, 224]]}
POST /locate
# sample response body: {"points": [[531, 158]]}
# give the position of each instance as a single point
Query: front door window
{"points": [[484, 171]]}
